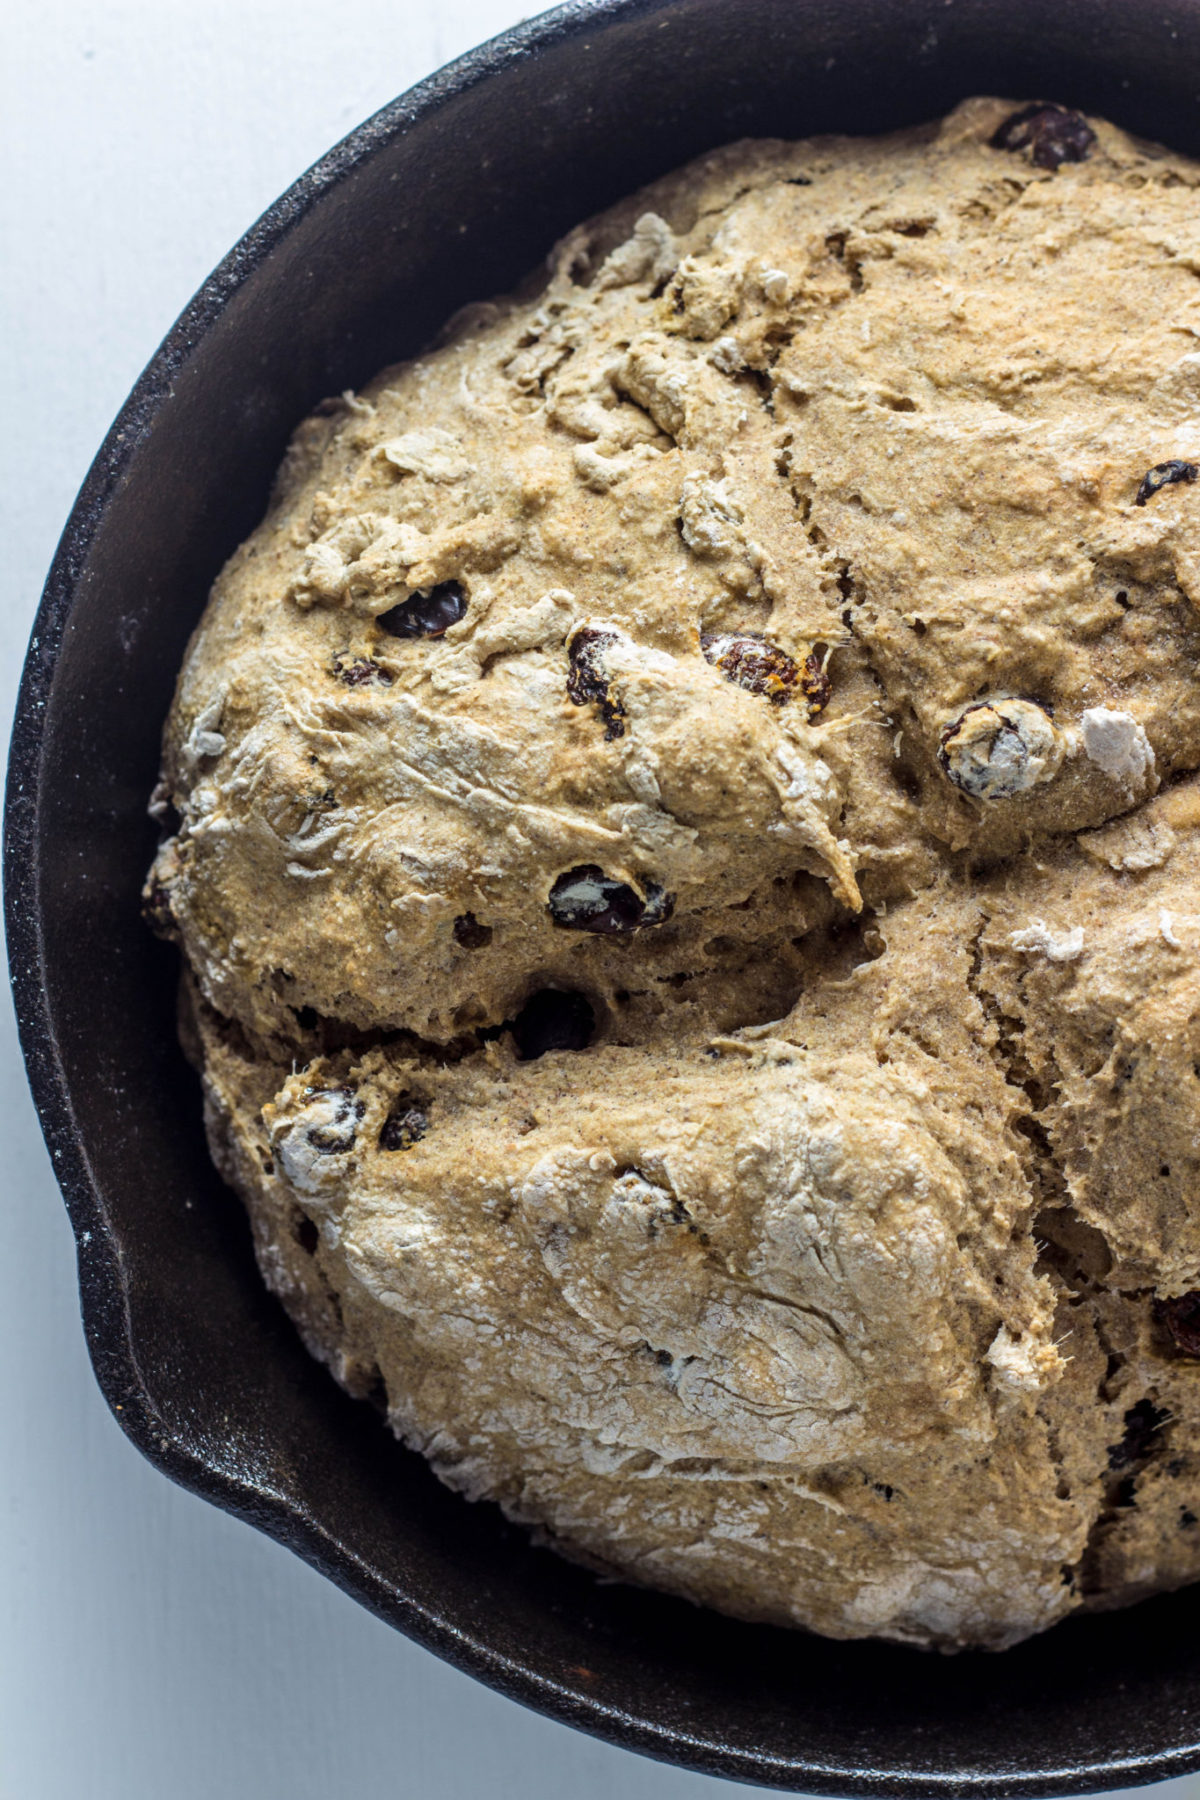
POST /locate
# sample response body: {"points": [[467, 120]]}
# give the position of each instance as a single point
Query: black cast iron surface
{"points": [[450, 195]]}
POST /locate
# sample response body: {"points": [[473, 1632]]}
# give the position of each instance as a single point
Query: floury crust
{"points": [[687, 860]]}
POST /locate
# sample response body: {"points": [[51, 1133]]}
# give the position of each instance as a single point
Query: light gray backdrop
{"points": [[152, 1648]]}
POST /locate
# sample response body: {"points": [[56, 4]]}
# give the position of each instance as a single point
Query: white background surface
{"points": [[151, 1648]]}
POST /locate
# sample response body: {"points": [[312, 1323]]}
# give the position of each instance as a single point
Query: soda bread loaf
{"points": [[683, 829]]}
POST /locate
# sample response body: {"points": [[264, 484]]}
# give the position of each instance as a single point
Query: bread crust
{"points": [[687, 870]]}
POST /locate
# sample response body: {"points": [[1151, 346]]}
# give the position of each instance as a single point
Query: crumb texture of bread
{"points": [[683, 823]]}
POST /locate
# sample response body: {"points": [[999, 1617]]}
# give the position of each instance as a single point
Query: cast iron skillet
{"points": [[451, 194]]}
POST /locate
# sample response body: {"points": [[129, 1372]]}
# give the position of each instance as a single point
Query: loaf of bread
{"points": [[683, 830]]}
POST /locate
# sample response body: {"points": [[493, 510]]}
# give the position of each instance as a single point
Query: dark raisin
{"points": [[1182, 1319], [407, 1122], [1053, 134], [1163, 475], [586, 899], [587, 683], [470, 933], [553, 1019], [156, 910], [426, 615], [1186, 1517], [307, 1235], [750, 662], [997, 748], [1143, 1428], [337, 1134], [358, 671], [815, 684]]}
